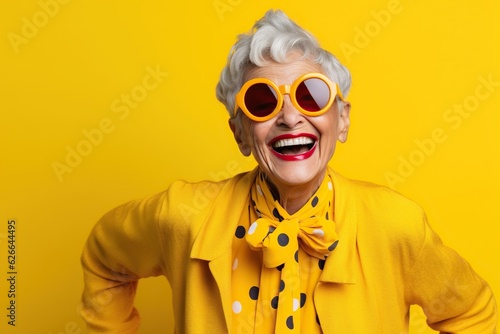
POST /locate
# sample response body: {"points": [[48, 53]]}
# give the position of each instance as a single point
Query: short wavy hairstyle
{"points": [[272, 39]]}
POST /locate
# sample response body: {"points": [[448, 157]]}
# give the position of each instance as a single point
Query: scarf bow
{"points": [[280, 241], [280, 235]]}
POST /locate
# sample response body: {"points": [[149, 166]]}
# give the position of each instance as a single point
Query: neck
{"points": [[293, 197]]}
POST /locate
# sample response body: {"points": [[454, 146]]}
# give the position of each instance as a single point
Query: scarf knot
{"points": [[280, 240]]}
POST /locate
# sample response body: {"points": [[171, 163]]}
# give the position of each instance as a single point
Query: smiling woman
{"points": [[291, 246]]}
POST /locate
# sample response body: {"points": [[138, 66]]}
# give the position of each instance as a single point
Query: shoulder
{"points": [[374, 196], [199, 196], [381, 212], [187, 204]]}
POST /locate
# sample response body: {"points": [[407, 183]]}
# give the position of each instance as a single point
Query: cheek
{"points": [[257, 132], [247, 131], [329, 130], [329, 126]]}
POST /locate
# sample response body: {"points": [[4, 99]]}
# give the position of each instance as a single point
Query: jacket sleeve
{"points": [[453, 297], [124, 245]]}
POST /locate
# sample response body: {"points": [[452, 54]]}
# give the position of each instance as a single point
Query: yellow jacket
{"points": [[388, 258]]}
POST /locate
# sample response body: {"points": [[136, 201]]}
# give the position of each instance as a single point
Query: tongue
{"points": [[293, 150]]}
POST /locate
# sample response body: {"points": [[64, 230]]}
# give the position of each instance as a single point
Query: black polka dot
{"points": [[282, 285], [289, 322], [321, 264], [297, 256], [303, 298], [333, 246], [240, 232], [274, 302], [326, 216], [254, 292], [280, 267], [315, 201], [277, 214], [283, 239]]}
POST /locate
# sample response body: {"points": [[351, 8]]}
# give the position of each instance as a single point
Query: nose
{"points": [[289, 116]]}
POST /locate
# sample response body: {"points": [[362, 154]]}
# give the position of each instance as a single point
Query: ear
{"points": [[344, 122], [236, 129]]}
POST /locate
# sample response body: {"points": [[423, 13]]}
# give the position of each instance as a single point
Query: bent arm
{"points": [[454, 298], [125, 245]]}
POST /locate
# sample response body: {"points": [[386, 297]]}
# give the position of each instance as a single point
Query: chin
{"points": [[294, 176]]}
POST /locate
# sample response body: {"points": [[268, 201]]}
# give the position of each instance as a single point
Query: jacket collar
{"points": [[215, 238]]}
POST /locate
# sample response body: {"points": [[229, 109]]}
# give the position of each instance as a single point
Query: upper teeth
{"points": [[293, 142]]}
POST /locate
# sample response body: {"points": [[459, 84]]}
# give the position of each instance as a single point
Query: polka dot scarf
{"points": [[278, 259]]}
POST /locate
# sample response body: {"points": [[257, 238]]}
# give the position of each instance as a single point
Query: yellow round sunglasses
{"points": [[261, 99]]}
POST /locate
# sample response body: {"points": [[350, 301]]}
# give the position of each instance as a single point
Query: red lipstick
{"points": [[289, 140]]}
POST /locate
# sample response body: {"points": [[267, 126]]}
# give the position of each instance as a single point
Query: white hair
{"points": [[273, 38]]}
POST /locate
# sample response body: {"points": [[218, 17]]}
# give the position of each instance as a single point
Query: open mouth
{"points": [[294, 147]]}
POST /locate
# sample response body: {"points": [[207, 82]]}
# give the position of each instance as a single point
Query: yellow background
{"points": [[68, 74]]}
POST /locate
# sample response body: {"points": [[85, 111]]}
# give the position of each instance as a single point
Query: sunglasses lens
{"points": [[313, 94], [261, 100]]}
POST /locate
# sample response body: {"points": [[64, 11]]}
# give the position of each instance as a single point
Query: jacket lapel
{"points": [[341, 264], [213, 242], [340, 267]]}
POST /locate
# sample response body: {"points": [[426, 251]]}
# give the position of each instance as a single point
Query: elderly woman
{"points": [[291, 246]]}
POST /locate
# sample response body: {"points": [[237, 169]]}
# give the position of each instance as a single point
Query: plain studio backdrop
{"points": [[105, 102]]}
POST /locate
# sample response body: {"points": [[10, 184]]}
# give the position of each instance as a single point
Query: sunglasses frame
{"points": [[286, 89]]}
